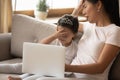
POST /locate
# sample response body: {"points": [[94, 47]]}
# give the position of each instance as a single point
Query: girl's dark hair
{"points": [[70, 22], [112, 9]]}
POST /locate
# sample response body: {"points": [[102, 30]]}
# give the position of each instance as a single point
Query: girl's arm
{"points": [[51, 38], [48, 39], [107, 55]]}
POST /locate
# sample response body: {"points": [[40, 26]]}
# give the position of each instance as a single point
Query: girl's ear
{"points": [[74, 35], [99, 6], [57, 28]]}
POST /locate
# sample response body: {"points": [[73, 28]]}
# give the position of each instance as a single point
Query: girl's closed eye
{"points": [[64, 36]]}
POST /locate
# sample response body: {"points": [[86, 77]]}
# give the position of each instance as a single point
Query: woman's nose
{"points": [[83, 12]]}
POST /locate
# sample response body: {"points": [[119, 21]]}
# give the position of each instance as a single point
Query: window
{"points": [[31, 4], [63, 3]]}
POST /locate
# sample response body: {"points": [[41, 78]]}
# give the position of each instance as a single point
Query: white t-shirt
{"points": [[91, 44], [70, 52]]}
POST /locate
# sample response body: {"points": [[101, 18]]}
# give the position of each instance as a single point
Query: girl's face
{"points": [[90, 11], [67, 36]]}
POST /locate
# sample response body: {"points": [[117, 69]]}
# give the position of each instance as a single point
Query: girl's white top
{"points": [[70, 52]]}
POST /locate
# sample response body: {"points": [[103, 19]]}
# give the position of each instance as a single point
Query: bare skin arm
{"points": [[78, 9], [52, 37], [48, 39], [76, 12], [108, 53]]}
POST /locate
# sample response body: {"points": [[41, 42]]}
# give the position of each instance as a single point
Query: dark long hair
{"points": [[112, 9]]}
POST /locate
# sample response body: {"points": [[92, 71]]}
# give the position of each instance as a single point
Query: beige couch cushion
{"points": [[11, 61], [6, 68], [27, 29], [5, 46]]}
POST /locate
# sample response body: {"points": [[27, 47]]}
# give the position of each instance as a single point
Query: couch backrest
{"points": [[27, 29], [114, 73]]}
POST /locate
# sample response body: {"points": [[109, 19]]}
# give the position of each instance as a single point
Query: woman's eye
{"points": [[85, 6]]}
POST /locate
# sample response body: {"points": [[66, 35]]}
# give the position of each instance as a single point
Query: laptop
{"points": [[43, 59]]}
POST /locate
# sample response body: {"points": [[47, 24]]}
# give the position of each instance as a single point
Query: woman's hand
{"points": [[78, 9]]}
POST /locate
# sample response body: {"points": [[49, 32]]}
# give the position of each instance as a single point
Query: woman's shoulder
{"points": [[113, 35], [109, 28], [113, 28]]}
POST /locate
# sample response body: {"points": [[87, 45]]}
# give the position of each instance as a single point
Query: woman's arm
{"points": [[76, 13], [107, 55], [78, 9]]}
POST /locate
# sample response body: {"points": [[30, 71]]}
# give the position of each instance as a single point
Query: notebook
{"points": [[43, 59]]}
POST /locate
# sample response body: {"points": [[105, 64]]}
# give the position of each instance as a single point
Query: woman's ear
{"points": [[99, 6]]}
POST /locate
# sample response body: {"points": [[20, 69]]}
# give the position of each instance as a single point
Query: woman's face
{"points": [[67, 37], [90, 11]]}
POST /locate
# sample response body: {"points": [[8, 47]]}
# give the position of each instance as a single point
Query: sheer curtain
{"points": [[5, 16]]}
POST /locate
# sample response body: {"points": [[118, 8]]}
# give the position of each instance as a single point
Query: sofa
{"points": [[28, 29]]}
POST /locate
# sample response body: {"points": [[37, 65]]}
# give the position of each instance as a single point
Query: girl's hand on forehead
{"points": [[58, 33], [61, 33]]}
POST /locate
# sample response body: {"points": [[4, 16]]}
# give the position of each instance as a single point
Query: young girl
{"points": [[67, 28]]}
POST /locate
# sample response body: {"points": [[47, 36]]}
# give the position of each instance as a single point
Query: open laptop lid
{"points": [[43, 59]]}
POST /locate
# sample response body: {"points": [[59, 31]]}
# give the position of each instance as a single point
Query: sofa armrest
{"points": [[5, 40], [114, 73]]}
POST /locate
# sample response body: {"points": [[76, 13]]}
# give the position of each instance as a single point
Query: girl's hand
{"points": [[60, 33]]}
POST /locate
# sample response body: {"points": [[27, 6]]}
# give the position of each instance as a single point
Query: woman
{"points": [[100, 42]]}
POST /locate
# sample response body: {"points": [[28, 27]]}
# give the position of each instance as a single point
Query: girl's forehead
{"points": [[62, 27]]}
